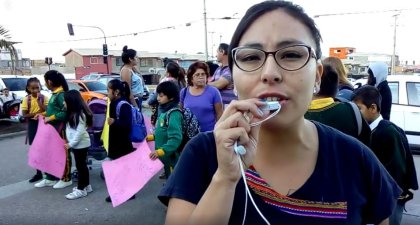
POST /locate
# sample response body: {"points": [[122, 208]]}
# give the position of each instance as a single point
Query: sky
{"points": [[41, 25]]}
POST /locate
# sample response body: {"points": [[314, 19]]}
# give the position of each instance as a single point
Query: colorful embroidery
{"points": [[332, 210]]}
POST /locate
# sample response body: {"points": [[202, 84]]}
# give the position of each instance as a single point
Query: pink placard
{"points": [[47, 151], [149, 131], [127, 175]]}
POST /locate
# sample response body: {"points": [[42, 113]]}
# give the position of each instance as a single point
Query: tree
{"points": [[7, 44]]}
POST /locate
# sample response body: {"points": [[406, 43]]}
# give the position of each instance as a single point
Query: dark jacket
{"points": [[386, 103], [119, 132]]}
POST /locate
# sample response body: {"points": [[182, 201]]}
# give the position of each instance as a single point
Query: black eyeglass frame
{"points": [[311, 51]]}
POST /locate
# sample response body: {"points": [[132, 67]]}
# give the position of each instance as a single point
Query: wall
{"points": [[73, 59]]}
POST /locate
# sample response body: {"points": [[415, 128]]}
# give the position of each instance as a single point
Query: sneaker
{"points": [[35, 178], [88, 188], [62, 184], [76, 194], [45, 183]]}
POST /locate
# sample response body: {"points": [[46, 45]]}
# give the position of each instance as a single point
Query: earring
{"points": [[316, 88]]}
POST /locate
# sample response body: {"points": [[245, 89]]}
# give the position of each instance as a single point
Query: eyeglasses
{"points": [[197, 75], [290, 58]]}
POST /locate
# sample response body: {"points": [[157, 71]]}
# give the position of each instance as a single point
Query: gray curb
{"points": [[2, 136]]}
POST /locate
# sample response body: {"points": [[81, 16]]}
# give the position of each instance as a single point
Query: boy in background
{"points": [[390, 145]]}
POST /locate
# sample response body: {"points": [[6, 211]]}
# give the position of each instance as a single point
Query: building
{"points": [[341, 52], [357, 63], [22, 65], [87, 61]]}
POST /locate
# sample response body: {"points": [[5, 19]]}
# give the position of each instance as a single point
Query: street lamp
{"points": [[104, 47]]}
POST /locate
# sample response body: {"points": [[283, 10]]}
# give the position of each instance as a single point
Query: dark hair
{"points": [[262, 8], [30, 80], [212, 67], [76, 108], [223, 47], [368, 95], [194, 67], [57, 79], [128, 54], [122, 86], [176, 72], [169, 89], [329, 82]]}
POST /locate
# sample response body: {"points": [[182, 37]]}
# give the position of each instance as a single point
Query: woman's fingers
{"points": [[250, 106], [236, 120], [227, 138]]}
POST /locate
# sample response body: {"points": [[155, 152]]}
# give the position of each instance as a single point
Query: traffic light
{"points": [[48, 60], [70, 27], [105, 53]]}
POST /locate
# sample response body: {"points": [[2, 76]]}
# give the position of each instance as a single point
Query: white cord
{"points": [[240, 150], [269, 117], [247, 192]]}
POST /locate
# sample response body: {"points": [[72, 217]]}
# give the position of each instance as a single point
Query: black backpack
{"points": [[190, 125]]}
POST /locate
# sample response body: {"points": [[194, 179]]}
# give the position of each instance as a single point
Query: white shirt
{"points": [[6, 99], [375, 123], [78, 138]]}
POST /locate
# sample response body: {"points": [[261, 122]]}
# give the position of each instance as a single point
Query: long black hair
{"points": [[76, 108], [57, 79], [176, 72], [30, 80], [262, 8], [121, 86]]}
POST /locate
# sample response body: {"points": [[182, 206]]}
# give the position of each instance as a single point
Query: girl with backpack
{"points": [[55, 115], [33, 104], [79, 117], [119, 123], [168, 132]]}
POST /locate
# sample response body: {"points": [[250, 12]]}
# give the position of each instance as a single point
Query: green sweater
{"points": [[55, 109], [168, 137]]}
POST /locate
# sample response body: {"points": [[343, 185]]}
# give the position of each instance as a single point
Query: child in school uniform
{"points": [[168, 132], [55, 115], [119, 122], [33, 104], [390, 145]]}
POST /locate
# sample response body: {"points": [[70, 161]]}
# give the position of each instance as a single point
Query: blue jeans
{"points": [[395, 218]]}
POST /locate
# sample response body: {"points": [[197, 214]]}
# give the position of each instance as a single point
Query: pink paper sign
{"points": [[149, 128], [127, 175], [47, 151]]}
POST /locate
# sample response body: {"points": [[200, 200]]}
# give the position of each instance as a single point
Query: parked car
{"points": [[17, 85], [89, 89], [405, 111], [106, 78]]}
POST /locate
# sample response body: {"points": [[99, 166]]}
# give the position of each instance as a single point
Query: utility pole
{"points": [[206, 50], [395, 43]]}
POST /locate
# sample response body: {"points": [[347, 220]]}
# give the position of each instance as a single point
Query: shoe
{"points": [[76, 194], [162, 176], [35, 178], [62, 184], [88, 189], [45, 183]]}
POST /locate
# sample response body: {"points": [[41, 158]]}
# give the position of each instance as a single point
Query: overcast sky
{"points": [[36, 21]]}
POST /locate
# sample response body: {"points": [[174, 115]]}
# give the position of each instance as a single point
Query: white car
{"points": [[17, 85], [405, 111]]}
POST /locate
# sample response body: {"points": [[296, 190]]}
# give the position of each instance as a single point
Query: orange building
{"points": [[341, 52]]}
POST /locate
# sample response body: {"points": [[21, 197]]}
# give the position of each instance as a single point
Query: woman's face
{"points": [[293, 89], [199, 78]]}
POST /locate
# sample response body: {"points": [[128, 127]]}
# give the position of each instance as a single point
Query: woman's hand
{"points": [[234, 126], [111, 121], [66, 146]]}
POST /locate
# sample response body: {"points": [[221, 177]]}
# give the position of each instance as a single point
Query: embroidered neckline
{"points": [[287, 204]]}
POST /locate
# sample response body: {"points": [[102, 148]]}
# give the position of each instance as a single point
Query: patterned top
{"points": [[294, 206]]}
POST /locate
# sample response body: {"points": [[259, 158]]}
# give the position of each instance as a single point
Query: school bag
{"points": [[138, 127], [190, 125]]}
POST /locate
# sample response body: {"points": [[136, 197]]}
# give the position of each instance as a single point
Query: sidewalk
{"points": [[9, 128]]}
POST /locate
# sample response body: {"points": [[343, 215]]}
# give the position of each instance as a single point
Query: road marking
{"points": [[16, 188]]}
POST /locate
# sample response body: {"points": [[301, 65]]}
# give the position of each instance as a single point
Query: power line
{"points": [[134, 33], [365, 12]]}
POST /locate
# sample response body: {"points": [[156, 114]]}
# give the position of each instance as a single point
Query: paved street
{"points": [[21, 203]]}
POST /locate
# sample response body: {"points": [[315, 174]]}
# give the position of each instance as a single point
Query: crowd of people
{"points": [[330, 155]]}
